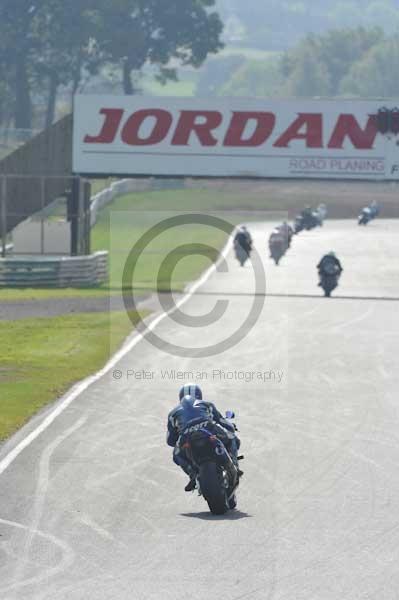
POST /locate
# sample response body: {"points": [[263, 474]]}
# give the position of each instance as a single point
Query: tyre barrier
{"points": [[54, 271]]}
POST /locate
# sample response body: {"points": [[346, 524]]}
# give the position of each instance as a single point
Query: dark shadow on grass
{"points": [[149, 291], [336, 297], [313, 296], [231, 515]]}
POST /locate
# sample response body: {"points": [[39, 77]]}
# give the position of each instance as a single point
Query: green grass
{"points": [[42, 358], [205, 199], [16, 294], [123, 222], [98, 185]]}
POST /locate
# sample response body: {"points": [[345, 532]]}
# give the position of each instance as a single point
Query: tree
{"points": [[375, 74], [339, 49], [309, 77], [278, 25], [320, 62], [155, 32], [17, 42], [42, 41], [216, 73], [255, 78], [68, 35], [48, 43]]}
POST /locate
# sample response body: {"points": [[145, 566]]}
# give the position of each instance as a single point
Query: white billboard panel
{"points": [[231, 137]]}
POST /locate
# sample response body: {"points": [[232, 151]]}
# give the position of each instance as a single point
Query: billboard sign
{"points": [[231, 137]]}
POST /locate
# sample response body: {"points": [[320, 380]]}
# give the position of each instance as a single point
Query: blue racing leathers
{"points": [[191, 410]]}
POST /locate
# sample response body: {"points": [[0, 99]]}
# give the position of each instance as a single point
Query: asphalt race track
{"points": [[94, 508]]}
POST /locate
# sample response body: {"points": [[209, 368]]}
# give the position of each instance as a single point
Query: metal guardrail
{"points": [[50, 271], [127, 186]]}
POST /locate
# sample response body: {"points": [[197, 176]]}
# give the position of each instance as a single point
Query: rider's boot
{"points": [[191, 485]]}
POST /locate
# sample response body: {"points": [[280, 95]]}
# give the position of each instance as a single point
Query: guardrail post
{"points": [[74, 213], [43, 204], [3, 216], [86, 219]]}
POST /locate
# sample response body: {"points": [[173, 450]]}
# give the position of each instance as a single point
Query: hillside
{"points": [[279, 24]]}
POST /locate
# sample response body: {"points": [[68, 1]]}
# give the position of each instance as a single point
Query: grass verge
{"points": [[42, 358]]}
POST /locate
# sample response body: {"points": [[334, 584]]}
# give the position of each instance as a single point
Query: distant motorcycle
{"points": [[329, 274], [298, 224], [365, 216], [218, 478], [307, 221], [242, 254], [312, 221], [278, 244], [242, 245]]}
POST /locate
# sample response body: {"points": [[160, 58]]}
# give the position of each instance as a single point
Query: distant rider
{"points": [[277, 241], [307, 212], [287, 231], [327, 259], [192, 408], [243, 238]]}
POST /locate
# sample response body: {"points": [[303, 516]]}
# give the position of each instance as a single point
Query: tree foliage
{"points": [[218, 72], [348, 62], [374, 74], [48, 43], [280, 24], [136, 32], [254, 78], [317, 65]]}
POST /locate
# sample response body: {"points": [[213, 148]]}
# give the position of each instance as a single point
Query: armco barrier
{"points": [[128, 186], [60, 272], [118, 188]]}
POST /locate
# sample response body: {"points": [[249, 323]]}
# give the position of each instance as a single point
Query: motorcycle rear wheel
{"points": [[213, 488]]}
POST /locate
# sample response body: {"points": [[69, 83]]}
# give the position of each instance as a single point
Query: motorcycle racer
{"points": [[192, 410], [244, 239], [329, 258]]}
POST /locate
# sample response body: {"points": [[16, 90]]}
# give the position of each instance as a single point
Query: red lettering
{"points": [[130, 132], [113, 117], [188, 124], [313, 133], [347, 126], [265, 122]]}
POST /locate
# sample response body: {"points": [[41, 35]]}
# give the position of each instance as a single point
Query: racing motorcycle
{"points": [[365, 216], [307, 222], [298, 224], [217, 476], [242, 255], [329, 276], [312, 221], [277, 250]]}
